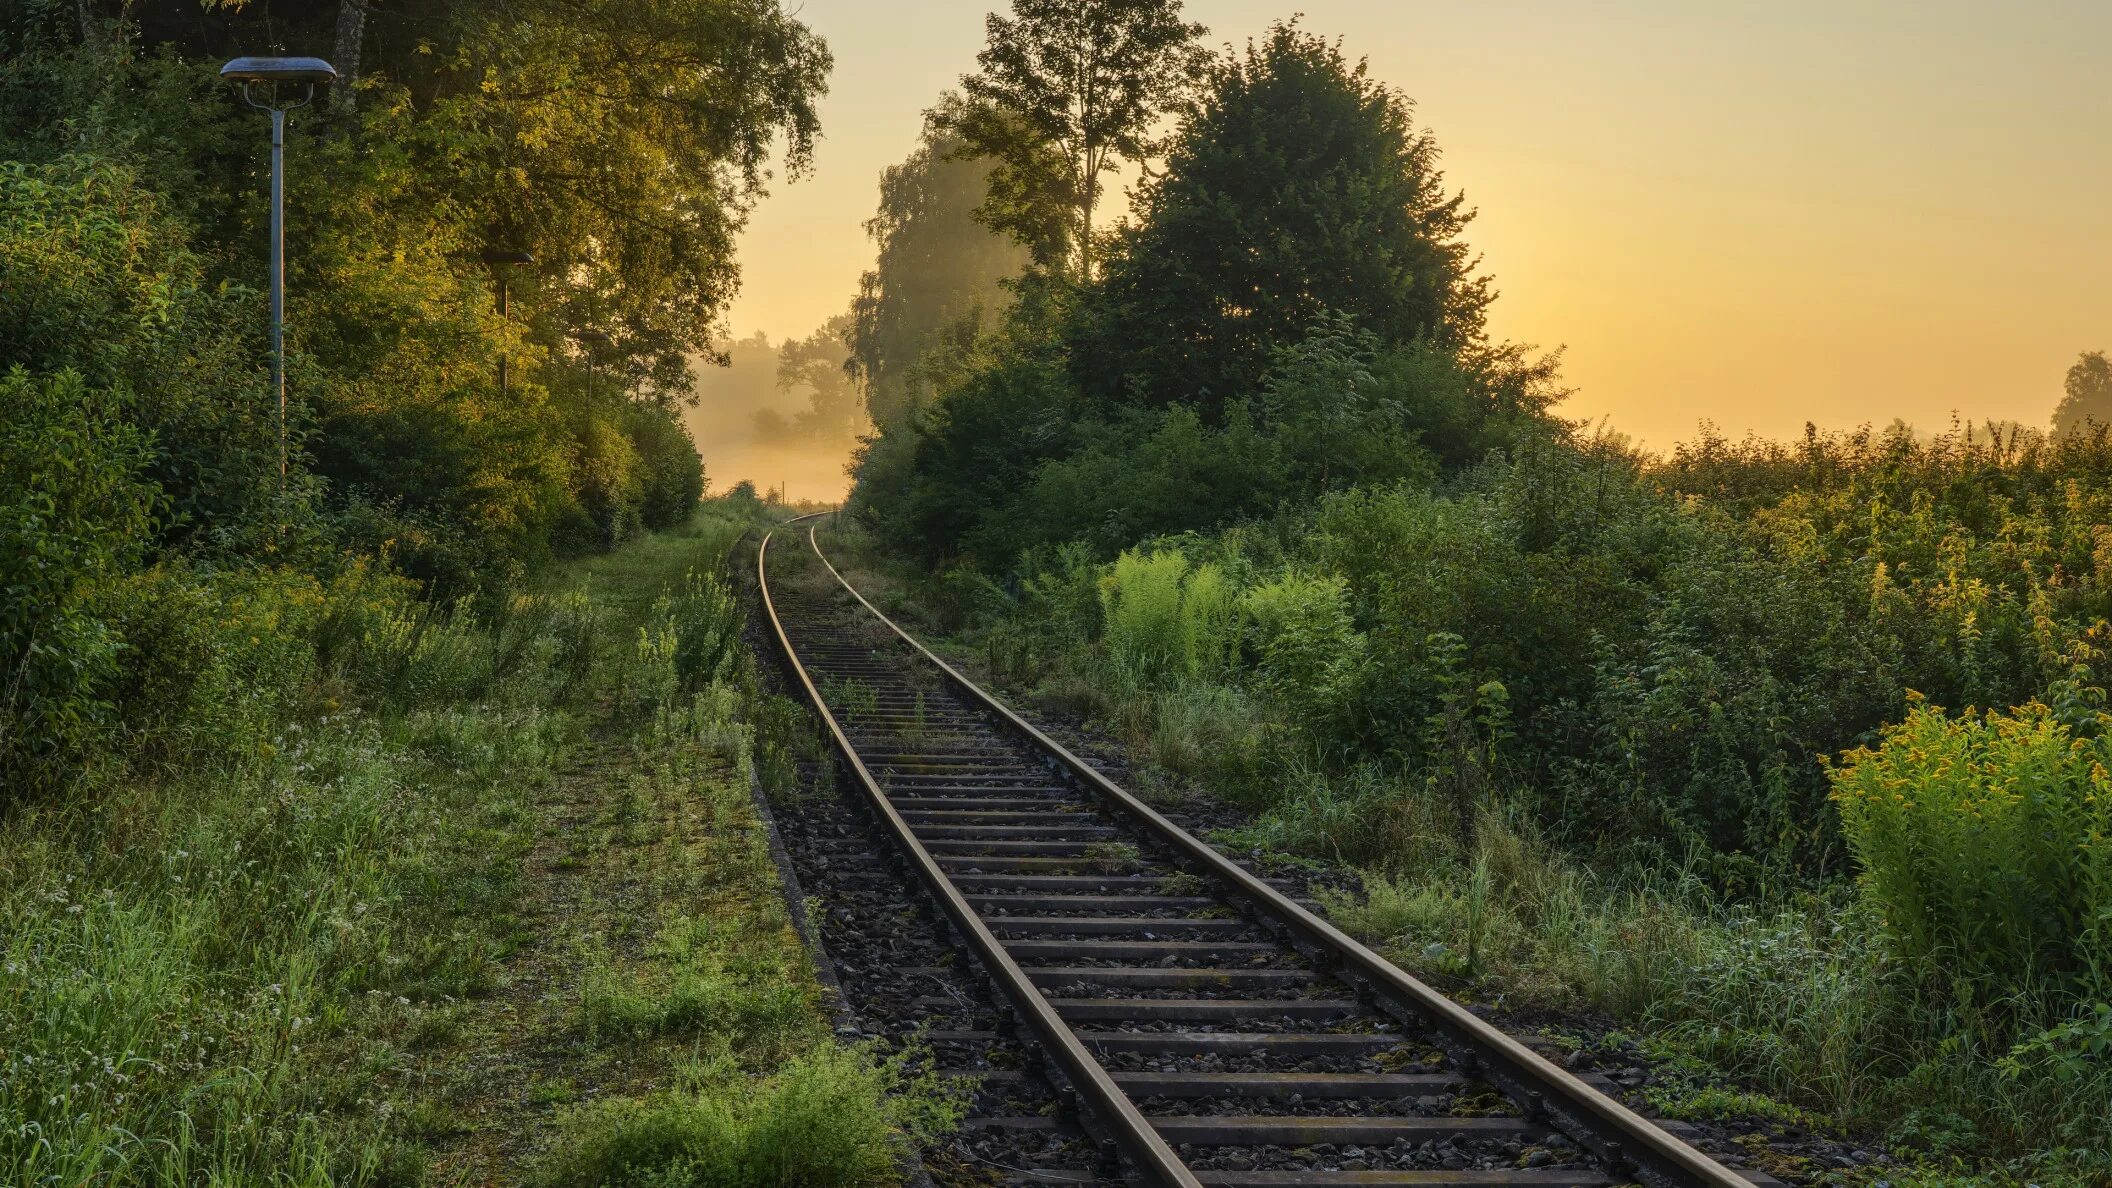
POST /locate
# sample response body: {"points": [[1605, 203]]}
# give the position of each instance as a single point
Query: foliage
{"points": [[1165, 620], [74, 510], [238, 949], [128, 222], [2086, 397], [96, 278], [937, 268], [1300, 186], [941, 475], [1347, 351], [1264, 501], [190, 945], [1309, 656], [1069, 89], [834, 1119], [1983, 844], [631, 222]]}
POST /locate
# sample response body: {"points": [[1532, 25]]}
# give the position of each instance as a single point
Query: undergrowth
{"points": [[1943, 1004], [241, 953]]}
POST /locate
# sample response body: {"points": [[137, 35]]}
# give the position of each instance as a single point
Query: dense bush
{"points": [[98, 279], [74, 513], [1263, 498], [1985, 842]]}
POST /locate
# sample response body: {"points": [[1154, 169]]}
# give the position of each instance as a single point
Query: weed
{"points": [[834, 1118], [1114, 857], [849, 695]]}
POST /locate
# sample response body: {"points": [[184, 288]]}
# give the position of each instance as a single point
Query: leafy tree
{"points": [[2086, 396], [937, 266], [1301, 185], [1080, 82], [622, 143], [817, 366], [647, 131]]}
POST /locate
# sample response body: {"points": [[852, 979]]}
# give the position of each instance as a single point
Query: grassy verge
{"points": [[482, 900], [1784, 1009]]}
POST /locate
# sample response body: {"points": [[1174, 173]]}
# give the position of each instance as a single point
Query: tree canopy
{"points": [[936, 266], [2086, 395], [1068, 90], [621, 144], [1300, 186]]}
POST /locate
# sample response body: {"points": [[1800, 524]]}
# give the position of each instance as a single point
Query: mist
{"points": [[748, 425]]}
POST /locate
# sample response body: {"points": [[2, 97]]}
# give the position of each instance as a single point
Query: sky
{"points": [[1753, 214]]}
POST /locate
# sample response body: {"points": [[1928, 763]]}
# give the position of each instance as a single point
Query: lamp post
{"points": [[593, 339], [500, 261], [249, 72]]}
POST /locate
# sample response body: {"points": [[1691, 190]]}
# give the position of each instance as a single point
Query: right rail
{"points": [[981, 808]]}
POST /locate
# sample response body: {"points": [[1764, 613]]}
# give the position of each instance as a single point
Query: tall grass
{"points": [[195, 974], [1985, 843], [1166, 619], [835, 1118], [226, 958]]}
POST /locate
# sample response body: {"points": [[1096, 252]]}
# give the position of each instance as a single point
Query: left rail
{"points": [[1143, 1150]]}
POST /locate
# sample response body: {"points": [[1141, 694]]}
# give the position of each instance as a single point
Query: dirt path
{"points": [[516, 1057]]}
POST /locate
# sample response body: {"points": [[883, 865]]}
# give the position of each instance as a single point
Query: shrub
{"points": [[1311, 656], [1986, 845], [1167, 620], [671, 472], [825, 1120], [74, 513], [607, 474], [96, 278], [213, 658]]}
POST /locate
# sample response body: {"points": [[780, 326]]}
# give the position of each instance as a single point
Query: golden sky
{"points": [[1759, 214]]}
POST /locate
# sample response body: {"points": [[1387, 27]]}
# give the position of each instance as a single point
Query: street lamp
{"points": [[500, 261], [249, 72]]}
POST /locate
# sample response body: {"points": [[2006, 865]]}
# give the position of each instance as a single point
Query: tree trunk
{"points": [[351, 37], [1085, 231]]}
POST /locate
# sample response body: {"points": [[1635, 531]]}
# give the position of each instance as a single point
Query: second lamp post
{"points": [[272, 71]]}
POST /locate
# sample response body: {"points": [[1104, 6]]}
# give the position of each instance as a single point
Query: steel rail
{"points": [[1146, 1153], [1625, 1140]]}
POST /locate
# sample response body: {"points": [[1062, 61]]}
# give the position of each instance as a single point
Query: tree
{"points": [[2087, 395], [936, 267], [622, 143], [1300, 186], [815, 365], [1068, 90]]}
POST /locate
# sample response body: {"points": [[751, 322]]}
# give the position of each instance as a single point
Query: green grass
{"points": [[269, 958], [834, 1118], [1792, 1003]]}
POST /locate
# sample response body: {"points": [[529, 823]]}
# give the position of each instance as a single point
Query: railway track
{"points": [[1207, 1028]]}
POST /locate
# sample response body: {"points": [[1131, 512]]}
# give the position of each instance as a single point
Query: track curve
{"points": [[1211, 1029]]}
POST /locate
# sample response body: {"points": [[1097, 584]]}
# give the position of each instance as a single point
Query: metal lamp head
{"points": [[301, 70], [251, 71], [495, 256]]}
